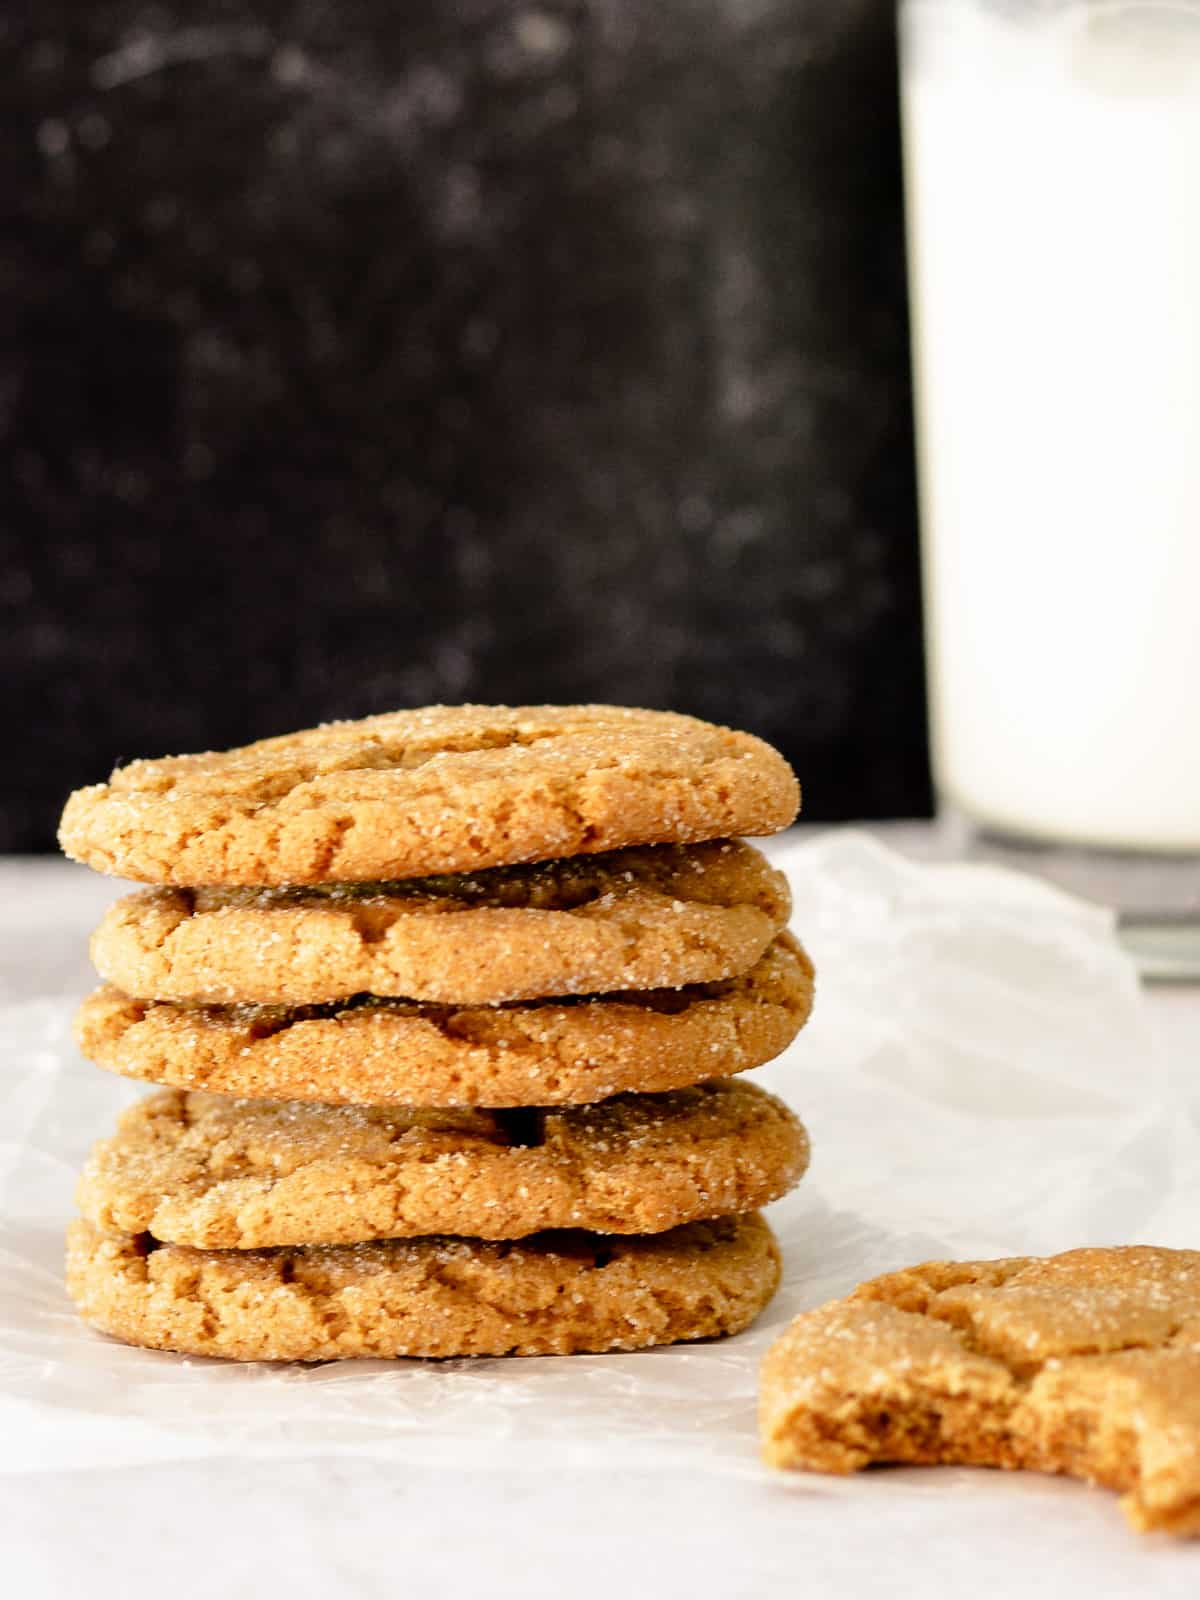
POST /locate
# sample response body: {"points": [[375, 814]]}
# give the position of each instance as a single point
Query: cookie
{"points": [[218, 1172], [651, 918], [552, 1294], [1086, 1363], [446, 789], [378, 1052]]}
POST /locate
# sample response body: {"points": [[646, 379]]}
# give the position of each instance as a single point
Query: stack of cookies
{"points": [[448, 1005]]}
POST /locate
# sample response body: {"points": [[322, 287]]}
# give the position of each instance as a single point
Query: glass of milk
{"points": [[1052, 169]]}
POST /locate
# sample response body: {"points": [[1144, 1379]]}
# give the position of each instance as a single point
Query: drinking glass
{"points": [[1052, 172]]}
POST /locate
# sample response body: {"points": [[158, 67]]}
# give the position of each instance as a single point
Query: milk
{"points": [[1053, 188]]}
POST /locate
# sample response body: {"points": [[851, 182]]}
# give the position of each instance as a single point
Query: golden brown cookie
{"points": [[218, 1172], [651, 918], [552, 1294], [443, 789], [1086, 1363], [377, 1052]]}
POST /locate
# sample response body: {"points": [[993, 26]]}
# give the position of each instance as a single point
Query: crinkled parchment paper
{"points": [[979, 1078]]}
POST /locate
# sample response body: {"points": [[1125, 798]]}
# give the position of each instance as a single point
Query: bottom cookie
{"points": [[550, 1294], [1086, 1363]]}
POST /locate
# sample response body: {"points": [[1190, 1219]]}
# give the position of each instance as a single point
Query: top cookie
{"points": [[440, 790]]}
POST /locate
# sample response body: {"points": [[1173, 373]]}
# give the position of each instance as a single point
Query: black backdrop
{"points": [[361, 356]]}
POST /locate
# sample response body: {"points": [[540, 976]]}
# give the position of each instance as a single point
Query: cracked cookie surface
{"points": [[552, 1294], [648, 918], [444, 789], [218, 1172], [1086, 1363], [387, 1051]]}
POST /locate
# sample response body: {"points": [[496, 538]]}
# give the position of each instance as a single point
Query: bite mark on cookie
{"points": [[1087, 1363]]}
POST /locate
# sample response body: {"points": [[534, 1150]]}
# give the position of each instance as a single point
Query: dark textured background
{"points": [[355, 356]]}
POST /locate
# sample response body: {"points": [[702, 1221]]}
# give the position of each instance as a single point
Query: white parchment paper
{"points": [[979, 1078]]}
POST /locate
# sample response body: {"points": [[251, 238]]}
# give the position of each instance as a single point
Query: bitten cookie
{"points": [[446, 789], [380, 1052], [552, 1294], [218, 1172], [1086, 1363], [651, 918]]}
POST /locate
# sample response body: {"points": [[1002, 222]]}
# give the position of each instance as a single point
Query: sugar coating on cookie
{"points": [[219, 1172], [387, 1051], [649, 918], [551, 1294], [1086, 1363], [444, 789]]}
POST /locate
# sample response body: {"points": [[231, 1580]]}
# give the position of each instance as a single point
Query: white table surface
{"points": [[329, 1527]]}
